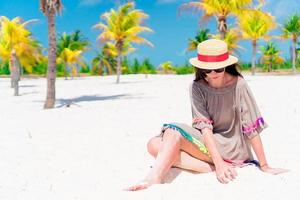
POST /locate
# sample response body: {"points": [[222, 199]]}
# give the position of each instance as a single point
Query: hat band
{"points": [[209, 58]]}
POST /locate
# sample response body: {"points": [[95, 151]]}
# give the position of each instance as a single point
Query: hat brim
{"points": [[213, 65]]}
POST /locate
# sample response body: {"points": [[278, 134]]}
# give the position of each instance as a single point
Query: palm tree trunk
{"points": [[222, 26], [65, 71], [119, 46], [294, 54], [110, 69], [51, 73], [77, 70], [119, 60], [254, 45], [271, 64], [16, 88], [11, 71], [100, 68], [72, 72], [15, 72]]}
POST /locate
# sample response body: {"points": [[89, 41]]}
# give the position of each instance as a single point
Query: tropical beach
{"points": [[85, 84], [97, 146]]}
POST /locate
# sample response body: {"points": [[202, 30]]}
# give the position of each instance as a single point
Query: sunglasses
{"points": [[207, 71]]}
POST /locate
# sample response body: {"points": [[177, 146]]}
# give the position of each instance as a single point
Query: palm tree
{"points": [[101, 64], [166, 67], [109, 54], [18, 46], [201, 36], [50, 8], [291, 29], [270, 55], [221, 9], [232, 38], [74, 41], [123, 26], [69, 50], [70, 58], [147, 67], [104, 60], [255, 25]]}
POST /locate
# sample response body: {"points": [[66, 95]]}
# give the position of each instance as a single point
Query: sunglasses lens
{"points": [[207, 71], [219, 70]]}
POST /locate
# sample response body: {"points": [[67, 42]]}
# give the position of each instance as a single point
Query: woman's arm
{"points": [[224, 172], [258, 148]]}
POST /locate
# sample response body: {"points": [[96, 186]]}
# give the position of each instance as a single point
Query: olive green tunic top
{"points": [[230, 112]]}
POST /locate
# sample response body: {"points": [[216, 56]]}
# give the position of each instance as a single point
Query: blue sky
{"points": [[171, 32]]}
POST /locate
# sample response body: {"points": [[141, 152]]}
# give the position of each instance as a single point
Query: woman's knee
{"points": [[172, 135], [153, 145]]}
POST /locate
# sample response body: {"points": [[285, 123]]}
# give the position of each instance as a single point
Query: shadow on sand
{"points": [[87, 98], [27, 86], [171, 175]]}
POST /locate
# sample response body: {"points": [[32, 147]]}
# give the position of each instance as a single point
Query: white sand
{"points": [[97, 146]]}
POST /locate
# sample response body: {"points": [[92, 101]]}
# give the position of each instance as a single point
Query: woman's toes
{"points": [[140, 186]]}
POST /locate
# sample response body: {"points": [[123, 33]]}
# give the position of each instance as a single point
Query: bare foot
{"points": [[142, 185]]}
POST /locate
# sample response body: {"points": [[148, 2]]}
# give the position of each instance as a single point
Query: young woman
{"points": [[226, 123]]}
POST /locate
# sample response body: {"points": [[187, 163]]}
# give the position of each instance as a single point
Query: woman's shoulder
{"points": [[197, 86], [195, 83], [241, 83]]}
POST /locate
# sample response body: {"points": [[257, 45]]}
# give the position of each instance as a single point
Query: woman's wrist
{"points": [[264, 165], [219, 162]]}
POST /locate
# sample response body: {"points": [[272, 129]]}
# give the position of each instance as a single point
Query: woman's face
{"points": [[215, 75]]}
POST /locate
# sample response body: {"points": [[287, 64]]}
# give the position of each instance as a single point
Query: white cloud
{"points": [[89, 2]]}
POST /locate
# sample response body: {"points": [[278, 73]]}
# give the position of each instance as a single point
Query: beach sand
{"points": [[97, 146]]}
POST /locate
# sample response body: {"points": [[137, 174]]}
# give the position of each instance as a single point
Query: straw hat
{"points": [[213, 54]]}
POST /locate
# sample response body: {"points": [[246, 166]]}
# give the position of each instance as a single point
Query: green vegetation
{"points": [[4, 68], [185, 69]]}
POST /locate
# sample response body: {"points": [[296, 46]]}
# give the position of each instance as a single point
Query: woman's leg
{"points": [[198, 161], [169, 154]]}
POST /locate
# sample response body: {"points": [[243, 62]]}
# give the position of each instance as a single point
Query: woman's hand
{"points": [[225, 172], [274, 171]]}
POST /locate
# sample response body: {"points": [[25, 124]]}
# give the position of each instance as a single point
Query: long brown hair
{"points": [[231, 69]]}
